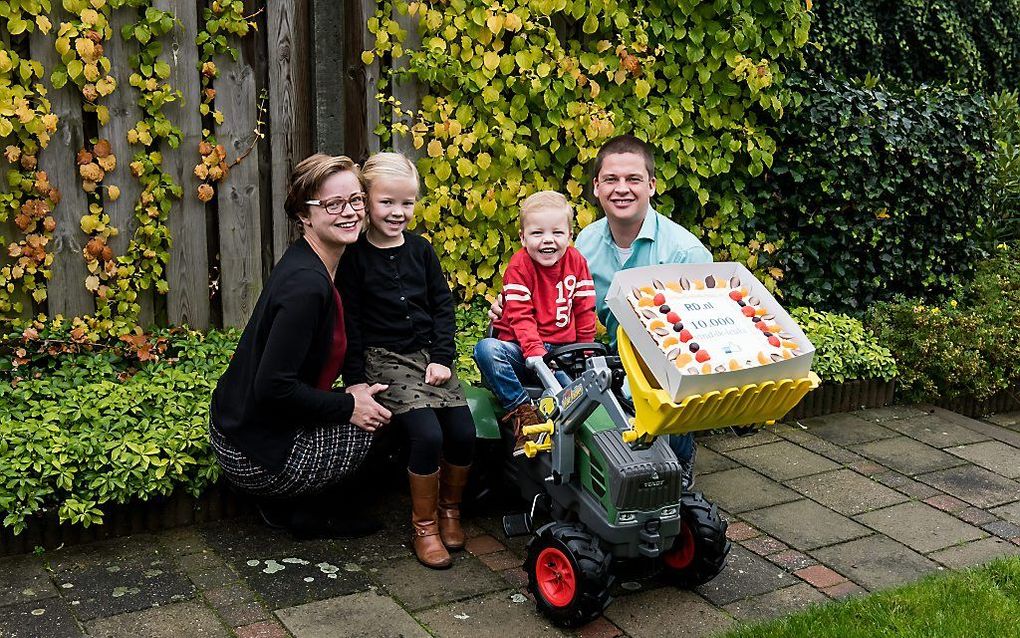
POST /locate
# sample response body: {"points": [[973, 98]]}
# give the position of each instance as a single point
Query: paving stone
{"points": [[23, 579], [495, 615], [846, 492], [776, 603], [892, 479], [196, 562], [877, 562], [601, 627], [707, 461], [936, 431], [976, 516], [677, 614], [1009, 420], [46, 618], [918, 491], [833, 452], [1010, 512], [741, 489], [764, 545], [727, 442], [805, 524], [501, 561], [820, 576], [975, 553], [118, 576], [888, 413], [792, 560], [182, 541], [517, 577], [243, 614], [264, 629], [868, 468], [744, 575], [214, 577], [282, 571], [483, 544], [1002, 529], [417, 586], [782, 460], [740, 531], [908, 456], [170, 621], [844, 590], [920, 527], [362, 614], [229, 595], [992, 455], [975, 485], [946, 503], [847, 429]]}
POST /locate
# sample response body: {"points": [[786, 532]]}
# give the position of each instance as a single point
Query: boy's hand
{"points": [[496, 309], [437, 374]]}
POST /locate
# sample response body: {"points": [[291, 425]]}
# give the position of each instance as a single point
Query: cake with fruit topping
{"points": [[711, 325]]}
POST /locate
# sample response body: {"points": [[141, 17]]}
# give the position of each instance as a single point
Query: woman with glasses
{"points": [[279, 428]]}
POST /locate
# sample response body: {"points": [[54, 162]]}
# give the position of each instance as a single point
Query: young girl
{"points": [[400, 331]]}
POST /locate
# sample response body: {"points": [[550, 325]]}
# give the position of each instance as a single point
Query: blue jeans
{"points": [[503, 368]]}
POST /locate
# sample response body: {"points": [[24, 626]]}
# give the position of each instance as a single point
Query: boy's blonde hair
{"points": [[388, 165], [543, 200]]}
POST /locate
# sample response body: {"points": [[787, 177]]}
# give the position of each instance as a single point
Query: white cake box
{"points": [[678, 384]]}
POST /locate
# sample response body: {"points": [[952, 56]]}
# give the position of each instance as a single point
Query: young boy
{"points": [[549, 299]]}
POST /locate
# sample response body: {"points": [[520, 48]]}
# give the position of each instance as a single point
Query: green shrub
{"points": [[874, 192], [844, 348], [85, 422], [967, 347], [472, 324], [1004, 222], [973, 43]]}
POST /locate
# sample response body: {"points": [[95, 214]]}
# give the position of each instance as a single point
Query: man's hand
{"points": [[368, 414], [437, 374], [496, 309]]}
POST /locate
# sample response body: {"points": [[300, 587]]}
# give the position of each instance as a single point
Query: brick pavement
{"points": [[821, 509]]}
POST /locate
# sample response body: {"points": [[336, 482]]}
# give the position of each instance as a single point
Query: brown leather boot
{"points": [[425, 538], [516, 419], [452, 479]]}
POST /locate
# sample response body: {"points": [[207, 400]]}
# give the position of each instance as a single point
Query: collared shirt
{"points": [[660, 241]]}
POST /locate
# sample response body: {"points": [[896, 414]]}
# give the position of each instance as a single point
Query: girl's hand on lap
{"points": [[437, 374], [368, 414]]}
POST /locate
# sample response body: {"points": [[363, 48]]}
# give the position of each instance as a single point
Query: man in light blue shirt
{"points": [[632, 234]]}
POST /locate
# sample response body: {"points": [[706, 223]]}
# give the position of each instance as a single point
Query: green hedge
{"points": [[875, 191], [967, 347], [85, 423], [973, 43], [844, 348]]}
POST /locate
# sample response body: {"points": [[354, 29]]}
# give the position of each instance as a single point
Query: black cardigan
{"points": [[268, 390], [395, 298]]}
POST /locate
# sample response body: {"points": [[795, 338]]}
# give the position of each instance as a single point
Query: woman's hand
{"points": [[368, 414], [437, 374]]}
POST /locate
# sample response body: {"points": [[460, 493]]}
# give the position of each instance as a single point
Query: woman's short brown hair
{"points": [[308, 177]]}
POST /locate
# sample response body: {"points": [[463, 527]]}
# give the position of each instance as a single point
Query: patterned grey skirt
{"points": [[405, 374], [321, 456]]}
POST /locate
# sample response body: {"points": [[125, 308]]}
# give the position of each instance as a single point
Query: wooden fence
{"points": [[304, 58]]}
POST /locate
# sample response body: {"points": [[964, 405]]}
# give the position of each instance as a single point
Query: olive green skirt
{"points": [[405, 374]]}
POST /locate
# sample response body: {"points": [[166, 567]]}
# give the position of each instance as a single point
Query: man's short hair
{"points": [[625, 144]]}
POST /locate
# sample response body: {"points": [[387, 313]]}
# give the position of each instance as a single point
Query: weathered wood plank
{"points": [[328, 69], [406, 90], [289, 105], [188, 270], [124, 114], [238, 195], [66, 291], [360, 87]]}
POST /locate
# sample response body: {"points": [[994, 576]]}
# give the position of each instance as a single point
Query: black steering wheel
{"points": [[570, 358]]}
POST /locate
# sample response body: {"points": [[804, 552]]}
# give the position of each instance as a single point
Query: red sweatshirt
{"points": [[554, 304]]}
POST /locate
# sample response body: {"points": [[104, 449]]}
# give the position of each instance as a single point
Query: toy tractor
{"points": [[610, 491]]}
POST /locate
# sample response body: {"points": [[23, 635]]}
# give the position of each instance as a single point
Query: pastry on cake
{"points": [[711, 325]]}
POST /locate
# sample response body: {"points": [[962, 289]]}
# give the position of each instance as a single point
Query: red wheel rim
{"points": [[555, 577], [683, 550]]}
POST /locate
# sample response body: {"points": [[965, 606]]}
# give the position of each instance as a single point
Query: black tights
{"points": [[446, 432]]}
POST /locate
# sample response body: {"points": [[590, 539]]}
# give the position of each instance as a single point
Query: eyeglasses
{"points": [[337, 205]]}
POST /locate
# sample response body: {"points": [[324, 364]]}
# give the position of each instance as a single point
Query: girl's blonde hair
{"points": [[388, 165], [543, 200]]}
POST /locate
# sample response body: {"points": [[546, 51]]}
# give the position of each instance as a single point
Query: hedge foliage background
{"points": [[975, 43], [520, 95], [876, 191]]}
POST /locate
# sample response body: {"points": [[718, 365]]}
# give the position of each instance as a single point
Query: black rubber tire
{"points": [[711, 546], [591, 571]]}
